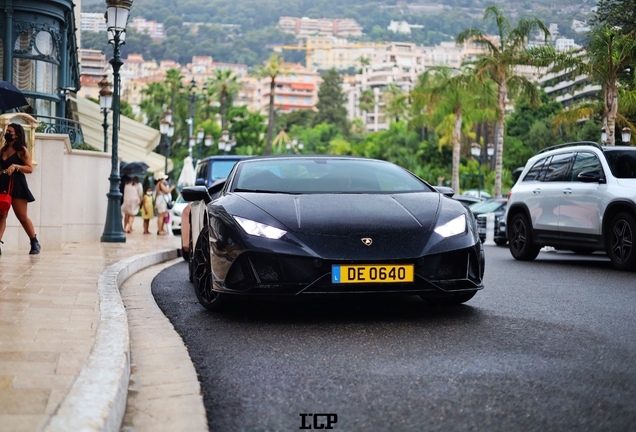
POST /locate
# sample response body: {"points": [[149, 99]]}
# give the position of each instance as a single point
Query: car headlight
{"points": [[177, 212], [259, 229], [454, 227]]}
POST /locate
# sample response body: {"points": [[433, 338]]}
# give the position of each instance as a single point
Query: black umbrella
{"points": [[133, 168], [10, 96]]}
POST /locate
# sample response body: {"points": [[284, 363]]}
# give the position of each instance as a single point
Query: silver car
{"points": [[576, 196]]}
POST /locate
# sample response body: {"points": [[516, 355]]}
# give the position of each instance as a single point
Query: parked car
{"points": [[576, 196], [466, 200], [208, 171], [175, 214], [498, 207], [299, 226], [477, 194]]}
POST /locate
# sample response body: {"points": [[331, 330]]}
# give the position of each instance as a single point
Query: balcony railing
{"points": [[58, 125]]}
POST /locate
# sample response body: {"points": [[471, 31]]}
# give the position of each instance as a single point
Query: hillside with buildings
{"points": [[241, 31]]}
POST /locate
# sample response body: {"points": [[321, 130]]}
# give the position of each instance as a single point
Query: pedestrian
{"points": [[147, 209], [132, 200], [15, 161], [162, 198]]}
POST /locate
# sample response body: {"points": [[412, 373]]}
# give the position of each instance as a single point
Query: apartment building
{"points": [[326, 52], [293, 92], [92, 22], [397, 63], [305, 27], [152, 28], [93, 68]]}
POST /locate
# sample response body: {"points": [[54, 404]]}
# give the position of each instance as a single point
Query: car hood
{"points": [[340, 214]]}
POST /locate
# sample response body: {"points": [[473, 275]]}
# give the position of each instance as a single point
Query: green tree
{"points": [[273, 68], [616, 13], [331, 102], [608, 53], [395, 101], [499, 64], [366, 102], [223, 84]]}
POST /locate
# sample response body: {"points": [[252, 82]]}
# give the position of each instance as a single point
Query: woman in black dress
{"points": [[15, 161]]}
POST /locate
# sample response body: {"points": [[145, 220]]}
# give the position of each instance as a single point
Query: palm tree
{"points": [[271, 69], [224, 84], [498, 64], [395, 101], [608, 53], [458, 97], [367, 100]]}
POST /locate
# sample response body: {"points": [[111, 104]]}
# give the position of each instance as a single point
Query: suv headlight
{"points": [[454, 227], [259, 229]]}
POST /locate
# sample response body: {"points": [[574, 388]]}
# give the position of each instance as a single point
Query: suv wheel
{"points": [[620, 242], [521, 246]]}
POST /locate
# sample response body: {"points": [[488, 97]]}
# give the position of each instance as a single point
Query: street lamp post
{"points": [[475, 151], [201, 141], [117, 17], [105, 103]]}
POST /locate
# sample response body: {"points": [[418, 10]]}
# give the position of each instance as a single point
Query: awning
{"points": [[302, 86], [135, 141]]}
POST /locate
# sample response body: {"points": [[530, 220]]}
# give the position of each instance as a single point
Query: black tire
{"points": [[521, 246], [620, 242], [454, 299], [202, 274]]}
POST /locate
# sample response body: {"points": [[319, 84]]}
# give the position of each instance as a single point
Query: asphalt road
{"points": [[548, 345]]}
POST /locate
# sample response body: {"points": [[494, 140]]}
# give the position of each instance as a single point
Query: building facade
{"points": [[397, 63], [297, 91], [38, 52], [94, 68], [304, 27]]}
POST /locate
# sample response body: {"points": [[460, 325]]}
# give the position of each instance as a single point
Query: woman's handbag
{"points": [[168, 203], [5, 198]]}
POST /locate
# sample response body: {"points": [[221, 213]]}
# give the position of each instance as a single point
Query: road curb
{"points": [[97, 399]]}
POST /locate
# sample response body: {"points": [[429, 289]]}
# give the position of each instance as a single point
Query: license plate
{"points": [[372, 273]]}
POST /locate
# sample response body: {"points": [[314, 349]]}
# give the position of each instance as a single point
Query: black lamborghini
{"points": [[306, 225]]}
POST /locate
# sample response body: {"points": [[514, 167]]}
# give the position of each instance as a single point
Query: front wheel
{"points": [[202, 273], [620, 242], [521, 246]]}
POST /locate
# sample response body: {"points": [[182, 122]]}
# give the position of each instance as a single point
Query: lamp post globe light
{"points": [[117, 17], [626, 135], [226, 143], [105, 103]]}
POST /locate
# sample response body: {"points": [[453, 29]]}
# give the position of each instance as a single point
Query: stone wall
{"points": [[70, 188]]}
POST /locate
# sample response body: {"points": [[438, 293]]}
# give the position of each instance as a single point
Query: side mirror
{"points": [[590, 177], [216, 188], [444, 190], [196, 193]]}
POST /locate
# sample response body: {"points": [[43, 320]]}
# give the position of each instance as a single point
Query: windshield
{"points": [[324, 175], [221, 169], [622, 163], [487, 206]]}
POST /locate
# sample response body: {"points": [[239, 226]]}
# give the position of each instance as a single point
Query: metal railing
{"points": [[58, 125]]}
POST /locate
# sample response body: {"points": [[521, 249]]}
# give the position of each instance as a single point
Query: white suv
{"points": [[576, 196]]}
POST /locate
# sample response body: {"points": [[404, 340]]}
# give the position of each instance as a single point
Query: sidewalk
{"points": [[64, 339]]}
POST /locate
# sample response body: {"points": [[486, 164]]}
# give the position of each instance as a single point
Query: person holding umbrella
{"points": [[15, 161]]}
